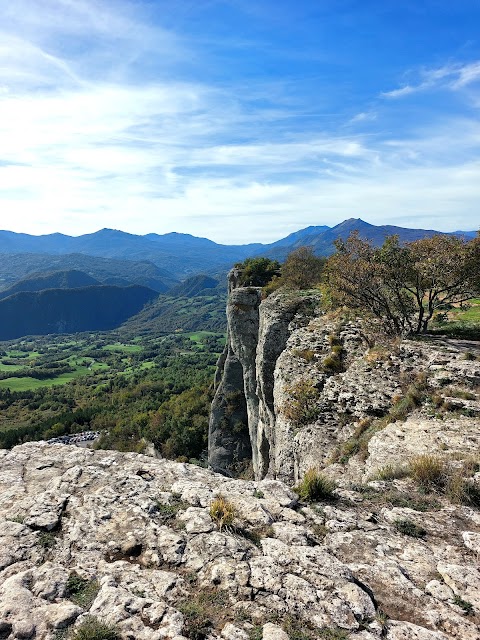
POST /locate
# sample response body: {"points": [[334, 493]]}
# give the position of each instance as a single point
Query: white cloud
{"points": [[467, 74], [402, 91], [87, 142], [364, 116], [451, 77]]}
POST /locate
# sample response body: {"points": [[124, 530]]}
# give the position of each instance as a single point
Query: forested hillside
{"points": [[70, 279], [169, 314], [70, 310], [155, 389], [15, 267]]}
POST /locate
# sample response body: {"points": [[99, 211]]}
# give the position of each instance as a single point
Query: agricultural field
{"points": [[155, 388]]}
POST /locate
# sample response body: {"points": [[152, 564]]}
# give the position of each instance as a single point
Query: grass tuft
{"points": [[81, 591], [201, 613], [302, 408], [222, 512], [409, 528], [462, 491], [463, 604], [94, 629], [391, 472], [316, 486], [428, 471]]}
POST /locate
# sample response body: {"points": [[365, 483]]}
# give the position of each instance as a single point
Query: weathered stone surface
{"points": [[472, 541], [283, 342], [409, 631], [401, 441], [235, 405], [333, 566], [279, 315], [273, 632], [228, 438]]}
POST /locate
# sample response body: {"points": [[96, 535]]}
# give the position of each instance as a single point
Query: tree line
{"points": [[401, 284]]}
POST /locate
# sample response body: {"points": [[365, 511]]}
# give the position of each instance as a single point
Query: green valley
{"points": [[151, 389]]}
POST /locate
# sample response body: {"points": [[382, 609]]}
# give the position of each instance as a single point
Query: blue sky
{"points": [[238, 120]]}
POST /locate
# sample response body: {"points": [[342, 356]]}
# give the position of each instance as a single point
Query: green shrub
{"points": [[257, 272], [334, 340], [256, 633], [256, 534], [334, 634], [93, 629], [302, 407], [307, 354], [81, 591], [302, 269], [463, 604], [382, 618], [200, 613], [166, 512], [462, 491], [333, 363], [299, 629], [197, 623], [316, 486], [46, 539], [409, 528]]}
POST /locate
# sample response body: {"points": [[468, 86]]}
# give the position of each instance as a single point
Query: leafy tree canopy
{"points": [[257, 272], [302, 269], [404, 285]]}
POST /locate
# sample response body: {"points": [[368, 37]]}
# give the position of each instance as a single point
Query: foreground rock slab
{"points": [[129, 539]]}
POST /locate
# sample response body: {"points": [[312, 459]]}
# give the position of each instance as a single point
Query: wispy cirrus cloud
{"points": [[451, 77]]}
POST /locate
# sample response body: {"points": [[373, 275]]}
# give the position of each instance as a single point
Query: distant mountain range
{"points": [[63, 284], [322, 239], [179, 255]]}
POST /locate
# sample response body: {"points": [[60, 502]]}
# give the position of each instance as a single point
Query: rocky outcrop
{"points": [[235, 405], [242, 417], [136, 534], [280, 315], [297, 386]]}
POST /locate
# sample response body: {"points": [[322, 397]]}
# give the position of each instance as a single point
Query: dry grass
{"points": [[93, 629], [416, 392], [302, 407], [222, 512], [391, 472], [428, 471]]}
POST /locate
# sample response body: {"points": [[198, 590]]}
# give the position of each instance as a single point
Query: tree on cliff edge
{"points": [[404, 285], [257, 272], [302, 269]]}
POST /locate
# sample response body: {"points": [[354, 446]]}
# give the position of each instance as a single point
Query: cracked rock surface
{"points": [[136, 533]]}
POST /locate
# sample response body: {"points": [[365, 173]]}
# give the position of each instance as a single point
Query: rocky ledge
{"points": [[130, 540]]}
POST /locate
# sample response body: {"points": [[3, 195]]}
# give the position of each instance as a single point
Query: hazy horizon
{"points": [[274, 238]]}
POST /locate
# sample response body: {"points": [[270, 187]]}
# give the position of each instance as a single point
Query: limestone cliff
{"points": [[243, 416], [306, 385]]}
